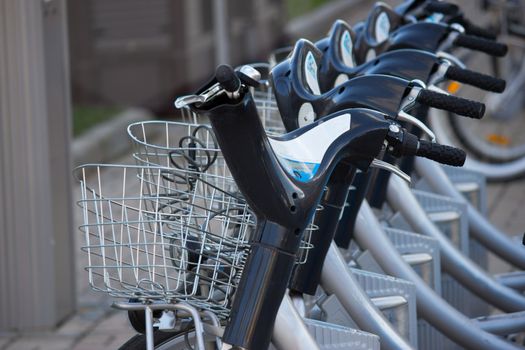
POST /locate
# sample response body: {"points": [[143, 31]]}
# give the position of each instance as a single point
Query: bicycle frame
{"points": [[281, 218], [369, 235]]}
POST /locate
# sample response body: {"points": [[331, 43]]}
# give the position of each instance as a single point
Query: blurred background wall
{"points": [[136, 52]]}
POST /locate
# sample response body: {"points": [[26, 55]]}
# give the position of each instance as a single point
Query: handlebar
{"points": [[480, 44], [472, 29], [227, 78], [482, 81], [441, 153], [458, 105], [404, 143]]}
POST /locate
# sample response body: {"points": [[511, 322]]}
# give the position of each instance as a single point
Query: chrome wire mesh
{"points": [[193, 147], [157, 239]]}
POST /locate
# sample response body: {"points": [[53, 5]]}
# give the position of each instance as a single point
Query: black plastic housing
{"points": [[406, 64], [283, 205], [356, 194], [307, 276], [290, 88]]}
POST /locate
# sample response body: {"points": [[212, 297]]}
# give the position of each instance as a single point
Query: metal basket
{"points": [[192, 147], [156, 238]]}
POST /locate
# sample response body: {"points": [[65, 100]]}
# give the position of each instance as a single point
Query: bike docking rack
{"points": [[395, 298], [449, 214], [194, 145], [173, 234]]}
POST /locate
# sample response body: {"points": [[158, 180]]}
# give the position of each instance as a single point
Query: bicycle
{"points": [[185, 175], [296, 88]]}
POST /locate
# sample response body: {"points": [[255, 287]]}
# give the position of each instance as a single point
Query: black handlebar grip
{"points": [[479, 44], [482, 81], [458, 105], [442, 7], [441, 153], [472, 29], [226, 76]]}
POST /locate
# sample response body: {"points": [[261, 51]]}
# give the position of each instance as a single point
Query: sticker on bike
{"points": [[310, 72], [346, 49], [301, 156], [382, 27]]}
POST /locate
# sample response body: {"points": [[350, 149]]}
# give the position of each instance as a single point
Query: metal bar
{"points": [[191, 311], [150, 345], [514, 280], [369, 235], [337, 279], [486, 233], [502, 324], [289, 330], [453, 261]]}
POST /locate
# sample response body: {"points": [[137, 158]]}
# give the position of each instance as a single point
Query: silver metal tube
{"points": [[189, 310], [480, 228], [336, 278], [289, 330], [453, 261], [149, 328], [502, 324], [370, 235], [514, 280]]}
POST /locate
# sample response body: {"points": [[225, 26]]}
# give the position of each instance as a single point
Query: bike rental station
{"points": [[321, 199]]}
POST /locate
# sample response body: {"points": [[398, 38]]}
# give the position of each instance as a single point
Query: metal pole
{"points": [[337, 278], [222, 37], [289, 330], [453, 261], [36, 244], [370, 235], [488, 235], [502, 324]]}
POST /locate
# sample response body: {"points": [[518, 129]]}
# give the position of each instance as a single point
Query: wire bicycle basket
{"points": [[177, 243], [174, 227], [194, 146]]}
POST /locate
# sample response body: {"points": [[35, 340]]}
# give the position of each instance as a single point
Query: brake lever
{"points": [[380, 164], [408, 102], [457, 29], [451, 58], [440, 73], [213, 91], [247, 74], [405, 117], [438, 89]]}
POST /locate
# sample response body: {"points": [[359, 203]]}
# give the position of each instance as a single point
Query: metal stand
{"points": [[369, 235], [289, 331], [337, 279], [488, 235], [148, 310], [462, 269]]}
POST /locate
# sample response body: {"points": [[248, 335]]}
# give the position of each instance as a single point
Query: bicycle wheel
{"points": [[497, 138], [494, 172], [163, 341]]}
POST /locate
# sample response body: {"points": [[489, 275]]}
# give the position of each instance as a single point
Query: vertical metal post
{"points": [[222, 37], [36, 266], [149, 328]]}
